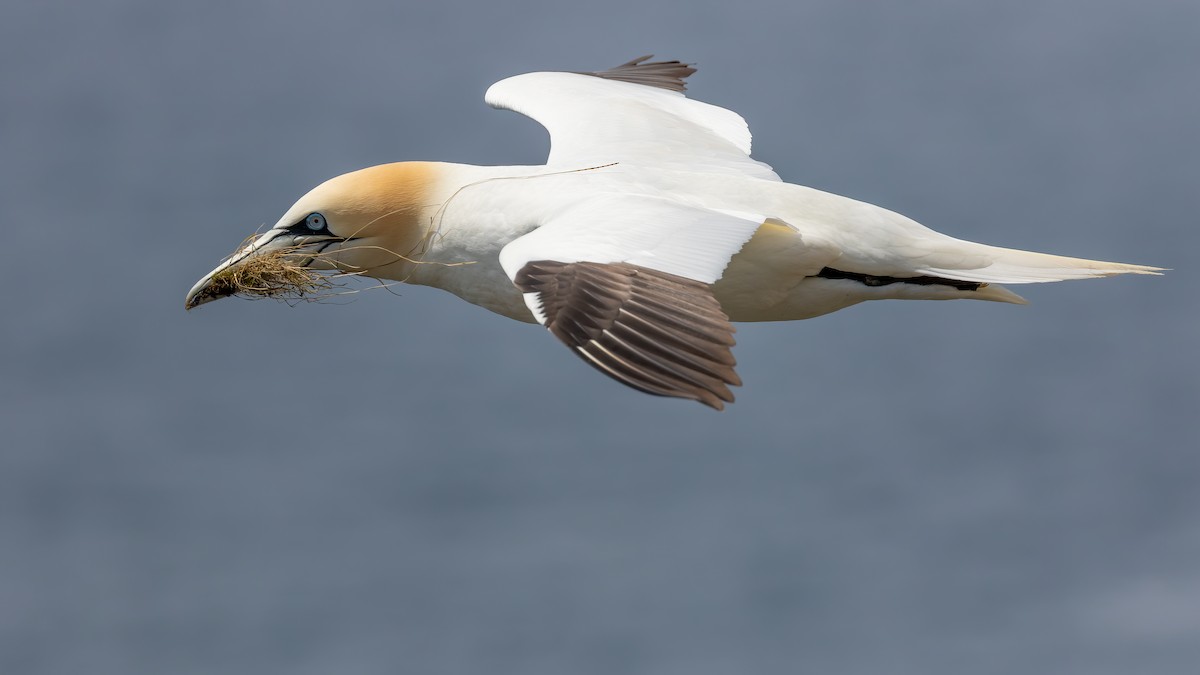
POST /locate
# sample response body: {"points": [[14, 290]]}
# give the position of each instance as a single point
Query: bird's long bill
{"points": [[219, 283]]}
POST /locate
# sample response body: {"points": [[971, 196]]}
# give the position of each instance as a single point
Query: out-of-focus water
{"points": [[409, 484]]}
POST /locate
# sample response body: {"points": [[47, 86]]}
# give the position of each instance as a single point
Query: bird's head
{"points": [[372, 222]]}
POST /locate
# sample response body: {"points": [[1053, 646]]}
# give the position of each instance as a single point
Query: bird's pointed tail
{"points": [[967, 261]]}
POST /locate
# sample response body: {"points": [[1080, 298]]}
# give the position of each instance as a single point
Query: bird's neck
{"points": [[473, 212]]}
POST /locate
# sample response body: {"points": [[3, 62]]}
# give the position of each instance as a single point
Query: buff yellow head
{"points": [[372, 222]]}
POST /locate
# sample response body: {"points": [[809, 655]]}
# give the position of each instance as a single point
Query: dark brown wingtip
{"points": [[669, 75], [659, 333]]}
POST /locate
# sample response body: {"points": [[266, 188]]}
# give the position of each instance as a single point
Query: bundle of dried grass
{"points": [[281, 274], [285, 274]]}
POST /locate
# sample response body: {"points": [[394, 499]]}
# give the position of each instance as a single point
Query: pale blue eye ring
{"points": [[315, 222]]}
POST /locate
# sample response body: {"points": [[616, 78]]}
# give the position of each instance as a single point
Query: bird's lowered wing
{"points": [[625, 282], [635, 113]]}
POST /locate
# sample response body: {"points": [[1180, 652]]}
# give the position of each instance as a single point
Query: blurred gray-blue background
{"points": [[412, 485]]}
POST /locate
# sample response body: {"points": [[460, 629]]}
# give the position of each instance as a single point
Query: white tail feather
{"points": [[1013, 266]]}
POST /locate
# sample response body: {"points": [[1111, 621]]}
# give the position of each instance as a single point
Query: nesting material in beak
{"points": [[279, 272], [276, 273]]}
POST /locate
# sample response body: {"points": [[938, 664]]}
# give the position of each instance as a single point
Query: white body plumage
{"points": [[646, 232]]}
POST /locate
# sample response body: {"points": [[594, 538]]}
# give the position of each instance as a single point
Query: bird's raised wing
{"points": [[625, 283], [635, 113]]}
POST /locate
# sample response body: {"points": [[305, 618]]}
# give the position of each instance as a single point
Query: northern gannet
{"points": [[648, 230]]}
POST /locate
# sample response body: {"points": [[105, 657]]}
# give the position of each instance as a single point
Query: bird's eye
{"points": [[315, 222]]}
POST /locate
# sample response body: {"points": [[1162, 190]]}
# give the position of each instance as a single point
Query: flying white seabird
{"points": [[648, 230]]}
